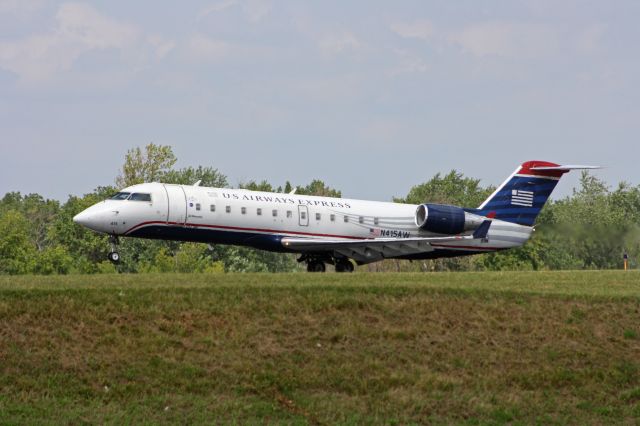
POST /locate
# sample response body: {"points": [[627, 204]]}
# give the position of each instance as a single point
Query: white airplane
{"points": [[328, 230]]}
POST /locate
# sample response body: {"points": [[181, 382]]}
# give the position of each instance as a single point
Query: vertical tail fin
{"points": [[521, 197]]}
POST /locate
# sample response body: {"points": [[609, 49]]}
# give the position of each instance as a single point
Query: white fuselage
{"points": [[261, 219]]}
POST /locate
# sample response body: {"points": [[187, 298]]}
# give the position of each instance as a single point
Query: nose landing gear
{"points": [[113, 256]]}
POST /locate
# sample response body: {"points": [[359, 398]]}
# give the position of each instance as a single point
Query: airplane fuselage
{"points": [[263, 219]]}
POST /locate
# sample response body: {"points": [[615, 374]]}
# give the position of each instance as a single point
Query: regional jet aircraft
{"points": [[325, 230]]}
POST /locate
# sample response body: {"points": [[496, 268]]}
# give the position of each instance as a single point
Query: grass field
{"points": [[474, 348]]}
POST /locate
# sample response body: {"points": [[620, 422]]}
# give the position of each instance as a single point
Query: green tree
{"points": [[192, 257], [247, 259], [53, 260], [453, 188], [16, 250], [162, 262], [252, 185], [38, 211], [318, 188], [209, 176], [150, 165]]}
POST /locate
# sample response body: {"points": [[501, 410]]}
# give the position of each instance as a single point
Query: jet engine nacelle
{"points": [[445, 219]]}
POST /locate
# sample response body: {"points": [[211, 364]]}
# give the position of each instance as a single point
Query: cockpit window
{"points": [[121, 196], [136, 196]]}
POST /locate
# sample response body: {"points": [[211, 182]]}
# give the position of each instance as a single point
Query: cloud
{"points": [[421, 29], [338, 43], [79, 29], [590, 39], [201, 47], [254, 10], [409, 63], [506, 39], [161, 45], [20, 7], [217, 7]]}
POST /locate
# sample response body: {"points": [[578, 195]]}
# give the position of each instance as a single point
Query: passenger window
{"points": [[274, 213], [198, 206], [259, 211], [212, 207], [375, 220], [317, 216], [289, 214], [243, 210], [303, 215], [332, 217], [228, 209], [346, 219], [140, 197], [361, 219]]}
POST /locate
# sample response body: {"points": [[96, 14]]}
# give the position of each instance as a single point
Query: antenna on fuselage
{"points": [[198, 183], [293, 191]]}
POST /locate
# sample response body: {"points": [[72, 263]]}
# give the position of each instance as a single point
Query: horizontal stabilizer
{"points": [[481, 232], [565, 168]]}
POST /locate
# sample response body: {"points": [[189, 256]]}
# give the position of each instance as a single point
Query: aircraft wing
{"points": [[373, 249]]}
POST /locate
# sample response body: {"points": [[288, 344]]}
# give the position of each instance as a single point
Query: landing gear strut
{"points": [[113, 256]]}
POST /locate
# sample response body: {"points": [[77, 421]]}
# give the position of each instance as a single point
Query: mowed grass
{"points": [[474, 348]]}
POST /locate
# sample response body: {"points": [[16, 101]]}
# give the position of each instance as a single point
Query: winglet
{"points": [[481, 232]]}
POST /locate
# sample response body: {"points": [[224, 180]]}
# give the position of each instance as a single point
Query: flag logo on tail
{"points": [[522, 198]]}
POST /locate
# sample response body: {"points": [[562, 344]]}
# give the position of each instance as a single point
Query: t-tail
{"points": [[521, 197]]}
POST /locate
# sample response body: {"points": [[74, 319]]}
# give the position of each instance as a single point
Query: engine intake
{"points": [[445, 219]]}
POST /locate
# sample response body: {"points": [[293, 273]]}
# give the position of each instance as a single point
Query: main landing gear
{"points": [[343, 265], [318, 263], [316, 266], [113, 256]]}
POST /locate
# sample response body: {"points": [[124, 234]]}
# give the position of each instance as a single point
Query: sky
{"points": [[372, 97]]}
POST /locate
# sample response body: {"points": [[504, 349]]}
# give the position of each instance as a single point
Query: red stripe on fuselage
{"points": [[236, 228]]}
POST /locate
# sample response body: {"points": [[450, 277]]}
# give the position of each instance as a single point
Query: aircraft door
{"points": [[303, 215], [195, 205], [177, 205]]}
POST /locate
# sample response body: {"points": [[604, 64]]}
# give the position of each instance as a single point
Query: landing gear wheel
{"points": [[344, 265], [315, 266], [114, 257]]}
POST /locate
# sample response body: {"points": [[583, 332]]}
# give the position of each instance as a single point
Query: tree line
{"points": [[590, 229]]}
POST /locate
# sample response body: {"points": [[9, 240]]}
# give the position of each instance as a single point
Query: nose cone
{"points": [[93, 218], [82, 218]]}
